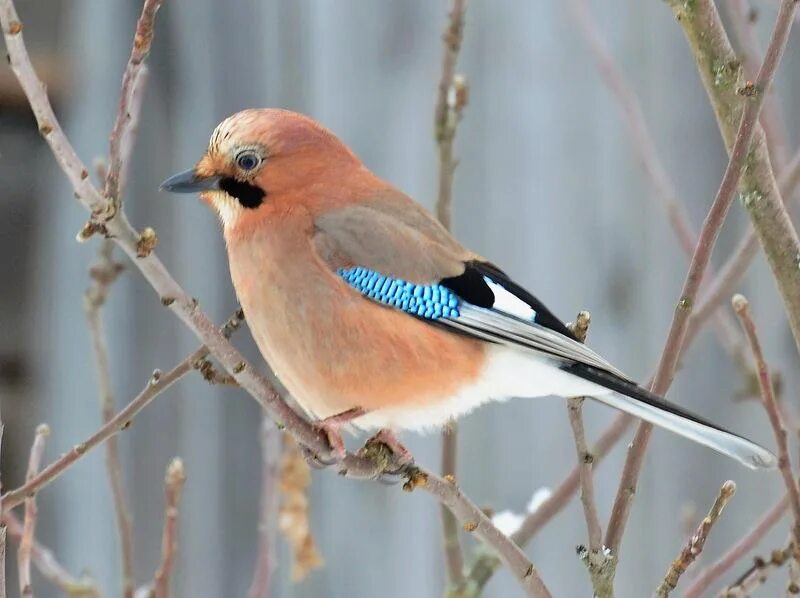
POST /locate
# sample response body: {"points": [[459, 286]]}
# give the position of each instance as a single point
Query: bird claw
{"points": [[402, 456], [330, 428]]}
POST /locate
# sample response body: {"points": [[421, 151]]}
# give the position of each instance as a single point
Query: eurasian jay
{"points": [[371, 313]]}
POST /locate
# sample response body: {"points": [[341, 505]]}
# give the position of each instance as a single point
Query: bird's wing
{"points": [[395, 253]]}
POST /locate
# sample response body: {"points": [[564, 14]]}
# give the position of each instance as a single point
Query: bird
{"points": [[371, 314]]}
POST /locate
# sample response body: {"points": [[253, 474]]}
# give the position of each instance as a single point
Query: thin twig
{"points": [[707, 238], [103, 274], [450, 103], [741, 306], [696, 543], [635, 123], [734, 268], [173, 484], [31, 513], [757, 574], [597, 560], [124, 122], [749, 541], [266, 560], [44, 560], [771, 117], [129, 138], [105, 218], [157, 384]]}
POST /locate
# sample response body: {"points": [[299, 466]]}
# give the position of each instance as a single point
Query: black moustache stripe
{"points": [[248, 195]]}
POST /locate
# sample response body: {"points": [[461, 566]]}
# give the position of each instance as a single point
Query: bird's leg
{"points": [[387, 438], [330, 426]]}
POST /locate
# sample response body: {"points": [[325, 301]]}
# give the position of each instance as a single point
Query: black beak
{"points": [[188, 181]]}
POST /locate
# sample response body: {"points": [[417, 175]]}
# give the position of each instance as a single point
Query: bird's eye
{"points": [[248, 160]]}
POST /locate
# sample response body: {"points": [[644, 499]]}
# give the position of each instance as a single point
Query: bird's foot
{"points": [[402, 456], [330, 427]]}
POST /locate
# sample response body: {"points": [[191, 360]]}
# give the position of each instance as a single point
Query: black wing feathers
{"points": [[472, 287]]}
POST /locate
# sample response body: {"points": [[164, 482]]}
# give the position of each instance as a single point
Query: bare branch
{"points": [[741, 306], [103, 274], [31, 513], [49, 567], [696, 543], [125, 120], [266, 560], [450, 103], [714, 571], [702, 255], [771, 117], [758, 573], [173, 485]]}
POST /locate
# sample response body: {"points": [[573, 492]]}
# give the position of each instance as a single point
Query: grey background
{"points": [[548, 186]]}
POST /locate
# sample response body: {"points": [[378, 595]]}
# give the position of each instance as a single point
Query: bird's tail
{"points": [[645, 405]]}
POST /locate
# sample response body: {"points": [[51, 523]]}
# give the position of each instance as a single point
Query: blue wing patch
{"points": [[429, 301]]}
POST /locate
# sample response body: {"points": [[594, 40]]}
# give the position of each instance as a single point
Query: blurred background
{"points": [[548, 186]]}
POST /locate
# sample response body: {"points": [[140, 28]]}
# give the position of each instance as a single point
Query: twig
{"points": [[173, 484], [707, 238], [49, 567], [741, 306], [103, 274], [128, 139], [106, 219], [720, 72], [771, 117], [757, 574], [714, 571], [266, 560], [31, 512], [598, 562], [696, 543], [157, 384], [647, 152], [450, 103], [124, 122], [734, 268]]}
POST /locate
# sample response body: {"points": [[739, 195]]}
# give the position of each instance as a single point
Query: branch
{"points": [[741, 306], [696, 543], [757, 574], [112, 222], [49, 567], [103, 273], [647, 152], [173, 484], [702, 255], [714, 571], [771, 117], [31, 513], [266, 560], [450, 103], [157, 384], [721, 74], [128, 104]]}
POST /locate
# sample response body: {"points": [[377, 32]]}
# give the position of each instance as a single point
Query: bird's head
{"points": [[259, 156]]}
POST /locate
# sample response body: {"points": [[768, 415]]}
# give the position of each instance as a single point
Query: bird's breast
{"points": [[334, 349]]}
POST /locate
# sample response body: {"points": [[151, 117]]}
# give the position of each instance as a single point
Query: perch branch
{"points": [[114, 224], [173, 485], [31, 513], [749, 541], [696, 543], [741, 306], [450, 103], [699, 262], [103, 274], [266, 560]]}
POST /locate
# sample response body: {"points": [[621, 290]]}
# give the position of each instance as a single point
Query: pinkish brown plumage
{"points": [[299, 211]]}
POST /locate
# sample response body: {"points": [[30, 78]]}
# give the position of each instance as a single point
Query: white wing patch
{"points": [[509, 303]]}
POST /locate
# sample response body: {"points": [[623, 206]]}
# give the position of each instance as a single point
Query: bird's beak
{"points": [[189, 181]]}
